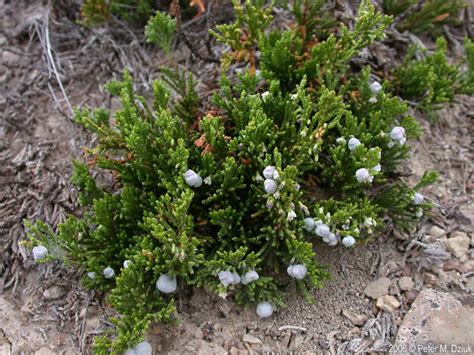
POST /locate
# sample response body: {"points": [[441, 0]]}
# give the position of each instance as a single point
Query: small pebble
{"points": [[406, 283]]}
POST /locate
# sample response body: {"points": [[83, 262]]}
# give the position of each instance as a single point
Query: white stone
{"points": [[377, 168], [264, 309], [130, 352], [91, 275], [126, 264], [166, 283], [373, 100]]}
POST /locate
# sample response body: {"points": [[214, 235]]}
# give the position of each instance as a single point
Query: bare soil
{"points": [[43, 310]]}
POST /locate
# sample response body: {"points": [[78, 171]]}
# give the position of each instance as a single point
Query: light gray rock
{"points": [[459, 246], [406, 283], [437, 317], [468, 266], [236, 351], [436, 232], [248, 338], [44, 351], [354, 332], [54, 292], [470, 283], [92, 323], [388, 303], [297, 341], [356, 319], [6, 349], [377, 288]]}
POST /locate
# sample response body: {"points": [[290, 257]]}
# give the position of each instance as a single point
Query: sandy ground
{"points": [[44, 311]]}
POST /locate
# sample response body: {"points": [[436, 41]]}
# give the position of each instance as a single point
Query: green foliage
{"points": [[431, 80], [397, 7], [269, 150], [96, 12], [160, 30], [136, 12], [429, 18], [313, 18], [243, 34], [467, 78]]}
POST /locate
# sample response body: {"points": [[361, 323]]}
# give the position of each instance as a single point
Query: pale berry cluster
{"points": [[192, 178], [418, 199], [272, 177], [166, 283], [39, 252], [297, 271], [232, 278], [363, 175], [321, 229], [375, 89], [397, 136]]}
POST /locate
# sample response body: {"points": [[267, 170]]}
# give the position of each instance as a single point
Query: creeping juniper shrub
{"points": [[429, 80], [160, 30], [424, 17], [95, 12], [297, 149], [137, 12]]}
